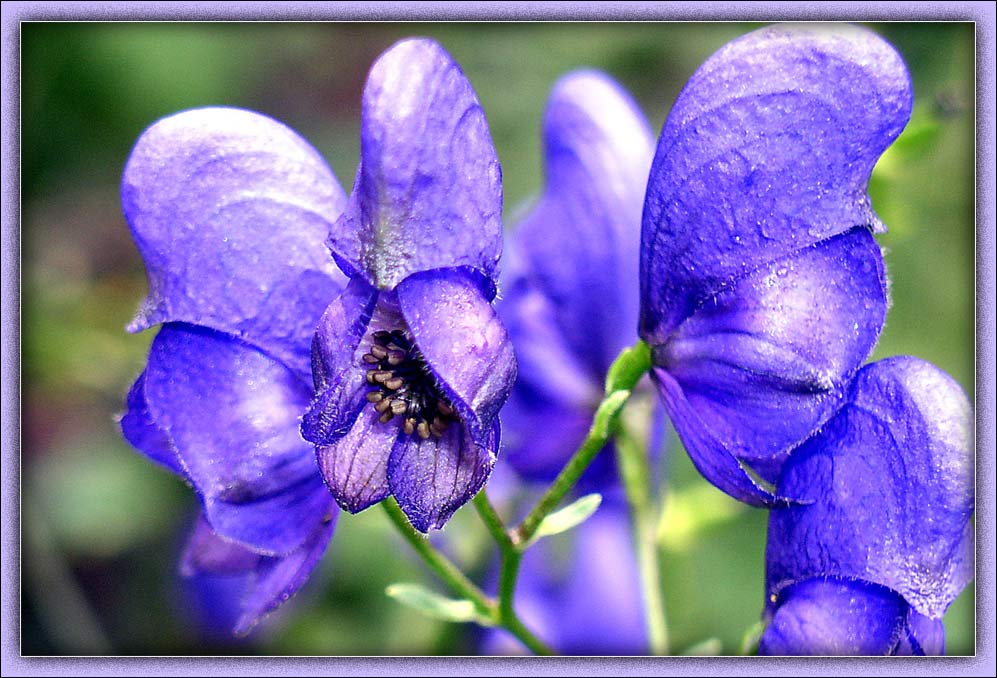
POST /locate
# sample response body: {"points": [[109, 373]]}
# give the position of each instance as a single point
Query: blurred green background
{"points": [[101, 526]]}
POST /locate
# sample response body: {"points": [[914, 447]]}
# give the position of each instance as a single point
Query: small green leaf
{"points": [[434, 605], [572, 515], [749, 642], [707, 648]]}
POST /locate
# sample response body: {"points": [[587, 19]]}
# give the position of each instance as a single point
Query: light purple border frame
{"points": [[983, 13]]}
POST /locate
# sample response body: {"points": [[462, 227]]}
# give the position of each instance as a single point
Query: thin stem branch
{"points": [[632, 364], [438, 563], [460, 584], [490, 517], [635, 472]]}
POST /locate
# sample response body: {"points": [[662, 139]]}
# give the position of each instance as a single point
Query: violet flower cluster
{"points": [[570, 285], [762, 294], [320, 352], [401, 385]]}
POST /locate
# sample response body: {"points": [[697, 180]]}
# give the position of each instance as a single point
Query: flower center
{"points": [[404, 386]]}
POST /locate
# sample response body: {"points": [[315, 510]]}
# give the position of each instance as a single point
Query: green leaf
{"points": [[707, 648], [749, 642], [572, 515], [434, 605]]}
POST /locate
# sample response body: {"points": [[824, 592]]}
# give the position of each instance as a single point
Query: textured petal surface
{"points": [[923, 637], [890, 479], [764, 361], [265, 582], [584, 599], [355, 466], [230, 210], [337, 367], [233, 414], [580, 243], [433, 478], [140, 429], [428, 192], [707, 452], [464, 343], [768, 149], [835, 618]]}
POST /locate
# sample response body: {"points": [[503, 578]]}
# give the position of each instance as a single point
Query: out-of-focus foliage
{"points": [[102, 528]]}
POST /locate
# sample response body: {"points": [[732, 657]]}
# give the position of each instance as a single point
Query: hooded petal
{"points": [[889, 485], [428, 192], [763, 362], [581, 242], [140, 429], [233, 414], [432, 478], [355, 466], [463, 342], [230, 210], [266, 582], [767, 150], [835, 617]]}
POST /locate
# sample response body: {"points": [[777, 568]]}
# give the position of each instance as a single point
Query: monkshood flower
{"points": [[762, 288], [583, 598], [881, 543], [570, 293], [411, 364], [230, 210]]}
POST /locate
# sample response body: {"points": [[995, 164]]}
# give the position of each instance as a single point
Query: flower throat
{"points": [[404, 386]]}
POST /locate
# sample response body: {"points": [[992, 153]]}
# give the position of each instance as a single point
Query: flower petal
{"points": [[547, 365], [140, 429], [540, 435], [923, 637], [464, 344], [763, 362], [428, 192], [708, 453], [268, 581], [835, 617], [768, 149], [890, 485], [337, 367], [233, 414], [581, 241], [355, 466], [230, 210], [433, 478]]}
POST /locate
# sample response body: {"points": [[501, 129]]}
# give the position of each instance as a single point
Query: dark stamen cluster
{"points": [[404, 386]]}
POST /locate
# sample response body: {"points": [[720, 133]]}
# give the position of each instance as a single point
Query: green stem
{"points": [[511, 560], [459, 583], [439, 563], [489, 516], [632, 364], [635, 472]]}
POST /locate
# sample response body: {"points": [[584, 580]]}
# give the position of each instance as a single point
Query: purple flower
{"points": [[229, 210], [762, 287], [881, 543], [571, 280], [411, 364], [585, 598]]}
